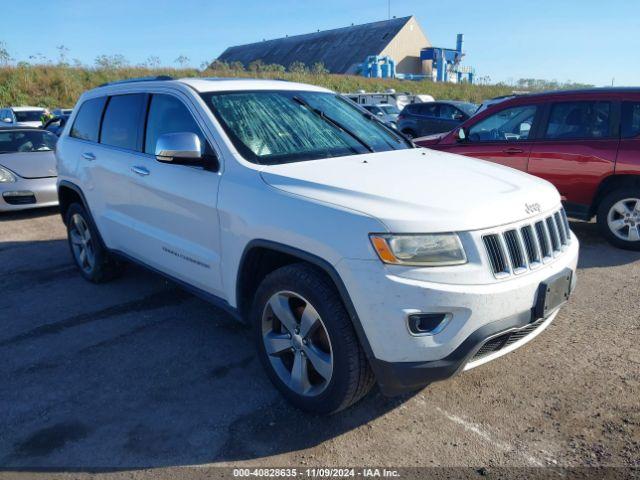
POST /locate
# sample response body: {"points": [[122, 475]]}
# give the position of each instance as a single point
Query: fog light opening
{"points": [[427, 323]]}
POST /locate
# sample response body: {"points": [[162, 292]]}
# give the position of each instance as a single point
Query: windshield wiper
{"points": [[333, 122], [370, 116]]}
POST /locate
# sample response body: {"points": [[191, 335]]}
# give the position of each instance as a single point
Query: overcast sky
{"points": [[587, 41]]}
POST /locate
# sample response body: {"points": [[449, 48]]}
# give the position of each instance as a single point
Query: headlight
{"points": [[6, 176], [431, 250]]}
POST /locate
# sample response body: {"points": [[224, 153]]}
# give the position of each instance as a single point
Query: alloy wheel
{"points": [[623, 219], [297, 343], [81, 243]]}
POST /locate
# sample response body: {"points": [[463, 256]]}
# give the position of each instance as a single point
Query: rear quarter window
{"points": [[87, 123], [630, 119]]}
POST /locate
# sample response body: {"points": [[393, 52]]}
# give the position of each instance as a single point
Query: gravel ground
{"points": [[137, 374]]}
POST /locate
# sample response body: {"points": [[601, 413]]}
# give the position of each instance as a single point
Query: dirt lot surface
{"points": [[138, 374]]}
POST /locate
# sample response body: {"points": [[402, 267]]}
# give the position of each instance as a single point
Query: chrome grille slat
{"points": [[543, 238], [516, 255], [565, 221], [530, 244], [560, 227], [553, 234], [496, 256], [524, 247]]}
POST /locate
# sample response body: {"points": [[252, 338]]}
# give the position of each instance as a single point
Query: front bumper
{"points": [[28, 193], [383, 298], [401, 377]]}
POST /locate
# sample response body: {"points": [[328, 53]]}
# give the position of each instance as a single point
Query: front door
{"points": [[177, 227], [501, 138], [577, 150]]}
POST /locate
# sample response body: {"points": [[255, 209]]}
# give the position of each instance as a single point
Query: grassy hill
{"points": [[60, 85]]}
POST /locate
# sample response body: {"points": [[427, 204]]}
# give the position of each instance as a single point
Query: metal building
{"points": [[342, 50]]}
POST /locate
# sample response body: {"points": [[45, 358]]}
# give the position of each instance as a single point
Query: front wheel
{"points": [[306, 341], [619, 218]]}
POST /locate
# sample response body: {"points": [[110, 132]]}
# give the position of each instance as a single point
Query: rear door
{"points": [[450, 117], [628, 160], [175, 218], [110, 163], [427, 118], [577, 149], [503, 137]]}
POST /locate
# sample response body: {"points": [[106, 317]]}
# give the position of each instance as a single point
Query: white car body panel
{"points": [[195, 225]]}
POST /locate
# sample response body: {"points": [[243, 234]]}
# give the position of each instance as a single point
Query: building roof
{"points": [[339, 49], [26, 109]]}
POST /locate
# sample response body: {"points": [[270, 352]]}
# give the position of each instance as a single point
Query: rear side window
{"points": [[449, 112], [122, 121], [428, 109], [87, 122], [167, 114], [579, 120], [630, 119]]}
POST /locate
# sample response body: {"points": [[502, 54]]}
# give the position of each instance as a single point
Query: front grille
{"points": [[518, 250], [509, 338]]}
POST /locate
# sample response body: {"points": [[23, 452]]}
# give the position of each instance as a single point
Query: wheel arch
{"points": [[611, 183], [69, 193], [261, 257]]}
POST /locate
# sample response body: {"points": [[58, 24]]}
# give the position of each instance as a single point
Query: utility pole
{"points": [[389, 8]]}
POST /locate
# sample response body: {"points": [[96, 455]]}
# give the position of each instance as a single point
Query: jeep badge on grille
{"points": [[532, 208]]}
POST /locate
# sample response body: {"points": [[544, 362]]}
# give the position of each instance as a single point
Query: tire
{"points": [[299, 294], [621, 208], [410, 134], [95, 264]]}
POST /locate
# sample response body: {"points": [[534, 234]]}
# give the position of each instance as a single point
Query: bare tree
{"points": [[182, 61], [5, 58]]}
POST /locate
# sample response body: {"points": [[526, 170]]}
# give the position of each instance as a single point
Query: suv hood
{"points": [[30, 164], [419, 190]]}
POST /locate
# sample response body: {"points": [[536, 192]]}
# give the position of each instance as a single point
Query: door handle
{"points": [[513, 151], [142, 171], [88, 156]]}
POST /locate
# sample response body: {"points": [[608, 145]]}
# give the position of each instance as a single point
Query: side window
{"points": [[630, 119], [122, 121], [508, 125], [167, 114], [428, 109], [449, 112], [579, 120], [87, 122]]}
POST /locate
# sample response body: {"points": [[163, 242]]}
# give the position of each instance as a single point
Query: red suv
{"points": [[585, 142]]}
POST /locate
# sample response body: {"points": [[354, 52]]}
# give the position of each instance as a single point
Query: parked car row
{"points": [[34, 117], [356, 257], [27, 168], [585, 142]]}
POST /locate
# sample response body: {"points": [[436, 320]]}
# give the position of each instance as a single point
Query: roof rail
{"points": [[139, 79]]}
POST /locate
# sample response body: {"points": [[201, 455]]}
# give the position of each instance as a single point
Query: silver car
{"points": [[27, 168]]}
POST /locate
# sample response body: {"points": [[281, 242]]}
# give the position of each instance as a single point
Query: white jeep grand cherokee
{"points": [[355, 256]]}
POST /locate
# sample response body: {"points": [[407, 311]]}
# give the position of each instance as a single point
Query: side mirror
{"points": [[461, 135], [180, 148], [458, 116], [7, 120], [380, 114]]}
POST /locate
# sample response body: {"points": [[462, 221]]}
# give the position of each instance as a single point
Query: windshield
{"points": [[468, 108], [271, 127], [28, 116], [24, 141], [390, 109]]}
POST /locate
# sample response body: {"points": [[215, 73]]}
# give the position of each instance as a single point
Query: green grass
{"points": [[55, 86]]}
